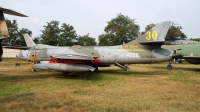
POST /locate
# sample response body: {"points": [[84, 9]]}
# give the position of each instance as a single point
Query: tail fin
{"points": [[3, 27], [29, 41], [155, 35]]}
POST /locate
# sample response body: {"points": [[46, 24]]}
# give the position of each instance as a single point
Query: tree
{"points": [[50, 34], [174, 32], [20, 40], [37, 40], [120, 29], [53, 35], [85, 40], [106, 40], [68, 35], [195, 39]]}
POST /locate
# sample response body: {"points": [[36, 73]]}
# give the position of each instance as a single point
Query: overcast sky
{"points": [[91, 16]]}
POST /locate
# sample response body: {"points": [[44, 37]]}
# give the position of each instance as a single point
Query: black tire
{"points": [[169, 67]]}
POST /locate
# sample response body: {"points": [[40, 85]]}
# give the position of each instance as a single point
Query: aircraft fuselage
{"points": [[189, 52], [103, 55]]}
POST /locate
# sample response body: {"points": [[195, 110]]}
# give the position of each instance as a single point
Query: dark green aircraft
{"points": [[189, 52], [3, 26]]}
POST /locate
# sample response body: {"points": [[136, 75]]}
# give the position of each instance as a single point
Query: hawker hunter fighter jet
{"points": [[145, 49], [3, 27]]}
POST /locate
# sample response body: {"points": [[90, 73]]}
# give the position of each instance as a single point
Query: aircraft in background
{"points": [[145, 49], [189, 52], [3, 26], [178, 42]]}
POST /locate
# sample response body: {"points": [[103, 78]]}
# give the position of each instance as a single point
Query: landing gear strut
{"points": [[170, 67], [96, 70]]}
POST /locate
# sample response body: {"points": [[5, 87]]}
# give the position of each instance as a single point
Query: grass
{"points": [[144, 87]]}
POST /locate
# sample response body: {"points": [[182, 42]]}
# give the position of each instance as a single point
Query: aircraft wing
{"points": [[191, 57], [17, 47], [67, 67], [72, 57]]}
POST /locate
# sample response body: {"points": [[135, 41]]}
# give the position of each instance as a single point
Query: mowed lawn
{"points": [[144, 87]]}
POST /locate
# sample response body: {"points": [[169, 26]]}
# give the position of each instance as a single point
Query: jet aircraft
{"points": [[145, 49], [177, 42], [3, 26], [189, 52]]}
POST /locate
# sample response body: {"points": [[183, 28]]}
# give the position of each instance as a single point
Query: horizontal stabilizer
{"points": [[17, 47], [11, 12]]}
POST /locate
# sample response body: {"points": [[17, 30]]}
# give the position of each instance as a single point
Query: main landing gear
{"points": [[96, 70], [170, 67]]}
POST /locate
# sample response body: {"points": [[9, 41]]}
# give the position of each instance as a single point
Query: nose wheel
{"points": [[170, 67]]}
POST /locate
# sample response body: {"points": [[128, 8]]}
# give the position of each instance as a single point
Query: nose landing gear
{"points": [[170, 67]]}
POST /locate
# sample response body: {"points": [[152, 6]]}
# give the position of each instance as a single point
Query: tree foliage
{"points": [[20, 40], [106, 40], [37, 40], [120, 29], [68, 35], [64, 36], [195, 39], [85, 40], [174, 32], [51, 33], [16, 35]]}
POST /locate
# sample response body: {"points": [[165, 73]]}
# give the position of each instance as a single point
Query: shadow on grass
{"points": [[133, 73], [44, 74], [109, 73], [80, 75], [179, 68]]}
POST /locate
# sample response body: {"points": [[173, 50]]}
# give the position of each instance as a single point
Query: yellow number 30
{"points": [[151, 35]]}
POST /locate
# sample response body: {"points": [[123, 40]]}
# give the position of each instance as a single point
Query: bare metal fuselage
{"points": [[105, 55]]}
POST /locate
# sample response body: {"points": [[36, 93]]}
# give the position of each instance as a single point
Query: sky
{"points": [[91, 16]]}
